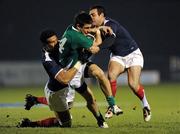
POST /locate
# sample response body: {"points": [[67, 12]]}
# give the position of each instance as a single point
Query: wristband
{"points": [[77, 65]]}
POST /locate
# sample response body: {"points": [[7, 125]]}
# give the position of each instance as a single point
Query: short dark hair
{"points": [[100, 9], [46, 34], [82, 18]]}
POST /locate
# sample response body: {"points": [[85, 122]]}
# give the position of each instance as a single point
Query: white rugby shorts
{"points": [[78, 79], [133, 59], [58, 100], [70, 95]]}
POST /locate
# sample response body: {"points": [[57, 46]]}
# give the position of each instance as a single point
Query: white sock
{"points": [[145, 102]]}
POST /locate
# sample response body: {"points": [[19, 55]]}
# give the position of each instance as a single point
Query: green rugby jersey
{"points": [[71, 42]]}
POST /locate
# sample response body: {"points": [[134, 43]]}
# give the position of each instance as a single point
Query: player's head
{"points": [[98, 14], [49, 39], [83, 22]]}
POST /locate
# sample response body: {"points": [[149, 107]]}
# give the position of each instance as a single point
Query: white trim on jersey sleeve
{"points": [[47, 58], [90, 36], [105, 21], [114, 34], [58, 73]]}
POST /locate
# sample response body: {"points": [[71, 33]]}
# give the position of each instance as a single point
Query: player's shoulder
{"points": [[72, 33], [90, 36], [110, 21]]}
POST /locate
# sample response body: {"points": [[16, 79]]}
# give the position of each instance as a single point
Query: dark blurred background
{"points": [[154, 24]]}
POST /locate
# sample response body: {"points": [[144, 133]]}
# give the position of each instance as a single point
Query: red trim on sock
{"points": [[113, 87], [49, 122], [42, 100], [140, 92]]}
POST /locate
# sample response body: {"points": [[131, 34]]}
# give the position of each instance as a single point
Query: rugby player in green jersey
{"points": [[74, 40]]}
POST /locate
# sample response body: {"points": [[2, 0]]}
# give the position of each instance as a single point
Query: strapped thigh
{"points": [[86, 75], [82, 88]]}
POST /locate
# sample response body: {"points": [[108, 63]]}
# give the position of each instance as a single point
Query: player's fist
{"points": [[94, 49]]}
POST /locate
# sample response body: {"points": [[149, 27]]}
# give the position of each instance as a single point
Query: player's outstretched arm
{"points": [[64, 76], [98, 39], [106, 30]]}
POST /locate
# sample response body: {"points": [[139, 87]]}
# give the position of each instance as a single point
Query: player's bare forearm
{"points": [[94, 49], [65, 76], [98, 39]]}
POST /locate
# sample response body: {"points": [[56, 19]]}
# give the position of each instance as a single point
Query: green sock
{"points": [[110, 101]]}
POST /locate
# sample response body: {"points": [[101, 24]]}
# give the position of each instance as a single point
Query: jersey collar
{"points": [[105, 21], [75, 29]]}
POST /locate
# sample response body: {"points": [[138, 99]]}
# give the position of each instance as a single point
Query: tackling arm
{"points": [[64, 76], [107, 42]]}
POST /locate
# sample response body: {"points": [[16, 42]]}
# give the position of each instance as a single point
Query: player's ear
{"points": [[78, 27], [102, 14]]}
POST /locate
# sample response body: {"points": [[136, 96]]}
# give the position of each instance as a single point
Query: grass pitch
{"points": [[164, 100]]}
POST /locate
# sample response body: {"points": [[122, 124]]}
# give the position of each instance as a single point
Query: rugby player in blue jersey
{"points": [[125, 56]]}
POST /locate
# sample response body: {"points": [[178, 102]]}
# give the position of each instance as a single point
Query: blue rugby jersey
{"points": [[123, 44], [50, 62]]}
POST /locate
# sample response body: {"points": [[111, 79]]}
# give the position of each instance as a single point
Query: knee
{"points": [[64, 118], [112, 75]]}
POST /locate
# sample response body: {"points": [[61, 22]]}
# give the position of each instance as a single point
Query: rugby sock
{"points": [[49, 122], [141, 95], [145, 102], [140, 92], [113, 87], [42, 100], [110, 100]]}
